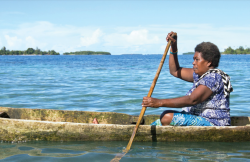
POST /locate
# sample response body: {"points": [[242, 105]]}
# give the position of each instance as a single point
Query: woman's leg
{"points": [[176, 118], [186, 119], [167, 116]]}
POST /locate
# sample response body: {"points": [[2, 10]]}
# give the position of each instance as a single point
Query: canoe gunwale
{"points": [[88, 116], [51, 122]]}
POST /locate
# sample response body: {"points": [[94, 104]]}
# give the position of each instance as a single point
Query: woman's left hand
{"points": [[151, 102]]}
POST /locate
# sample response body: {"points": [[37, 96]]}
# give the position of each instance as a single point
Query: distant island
{"points": [[132, 54], [29, 51], [239, 50], [188, 53], [87, 53], [229, 50]]}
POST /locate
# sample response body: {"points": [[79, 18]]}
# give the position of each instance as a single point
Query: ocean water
{"points": [[113, 83], [140, 151]]}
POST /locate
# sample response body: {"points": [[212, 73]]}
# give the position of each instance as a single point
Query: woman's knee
{"points": [[166, 117], [167, 112]]}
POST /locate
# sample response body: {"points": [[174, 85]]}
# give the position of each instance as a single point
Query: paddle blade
{"points": [[118, 156]]}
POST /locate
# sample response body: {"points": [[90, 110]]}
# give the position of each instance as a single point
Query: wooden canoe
{"points": [[22, 124]]}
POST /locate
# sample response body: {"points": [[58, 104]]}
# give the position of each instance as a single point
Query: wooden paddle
{"points": [[119, 156]]}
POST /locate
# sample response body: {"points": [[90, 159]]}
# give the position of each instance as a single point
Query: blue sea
{"points": [[114, 83]]}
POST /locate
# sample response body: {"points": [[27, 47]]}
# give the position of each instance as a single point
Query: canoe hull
{"points": [[21, 124], [29, 130]]}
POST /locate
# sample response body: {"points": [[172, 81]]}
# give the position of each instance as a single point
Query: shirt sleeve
{"points": [[195, 77], [213, 81]]}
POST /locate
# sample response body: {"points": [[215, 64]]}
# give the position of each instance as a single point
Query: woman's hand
{"points": [[151, 102], [173, 41], [169, 37]]}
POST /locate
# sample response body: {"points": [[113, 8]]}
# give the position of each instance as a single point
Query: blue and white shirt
{"points": [[216, 108]]}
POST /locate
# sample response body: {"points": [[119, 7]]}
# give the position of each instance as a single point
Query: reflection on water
{"points": [[141, 151]]}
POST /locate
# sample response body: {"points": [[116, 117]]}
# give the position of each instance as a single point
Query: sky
{"points": [[122, 26]]}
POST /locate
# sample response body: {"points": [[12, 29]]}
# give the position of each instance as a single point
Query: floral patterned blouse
{"points": [[216, 108]]}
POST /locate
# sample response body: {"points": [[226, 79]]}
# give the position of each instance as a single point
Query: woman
{"points": [[207, 102]]}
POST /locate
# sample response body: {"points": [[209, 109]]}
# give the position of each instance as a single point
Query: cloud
{"points": [[140, 37], [48, 36], [125, 39], [93, 39], [13, 41], [31, 41], [134, 38]]}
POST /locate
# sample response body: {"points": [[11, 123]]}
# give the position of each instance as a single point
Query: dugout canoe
{"points": [[22, 124]]}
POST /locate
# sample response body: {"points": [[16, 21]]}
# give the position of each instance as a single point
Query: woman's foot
{"points": [[95, 121]]}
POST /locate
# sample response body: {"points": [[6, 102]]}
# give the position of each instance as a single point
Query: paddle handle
{"points": [[149, 93]]}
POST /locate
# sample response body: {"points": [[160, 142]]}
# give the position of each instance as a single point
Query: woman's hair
{"points": [[209, 52]]}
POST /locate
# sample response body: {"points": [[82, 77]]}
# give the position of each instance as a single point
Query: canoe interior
{"points": [[87, 116], [73, 116]]}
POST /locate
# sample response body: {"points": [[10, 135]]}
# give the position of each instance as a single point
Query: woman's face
{"points": [[200, 65]]}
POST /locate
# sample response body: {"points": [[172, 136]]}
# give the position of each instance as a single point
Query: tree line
{"points": [[229, 50], [87, 53], [189, 53], [239, 50], [29, 51]]}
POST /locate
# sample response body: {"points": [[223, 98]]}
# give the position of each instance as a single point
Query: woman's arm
{"points": [[174, 67], [200, 94]]}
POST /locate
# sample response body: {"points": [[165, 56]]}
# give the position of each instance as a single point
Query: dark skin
{"points": [[200, 94]]}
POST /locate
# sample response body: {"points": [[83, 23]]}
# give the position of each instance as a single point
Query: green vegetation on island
{"points": [[188, 53], [87, 53], [229, 50], [239, 50], [29, 51], [132, 54]]}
